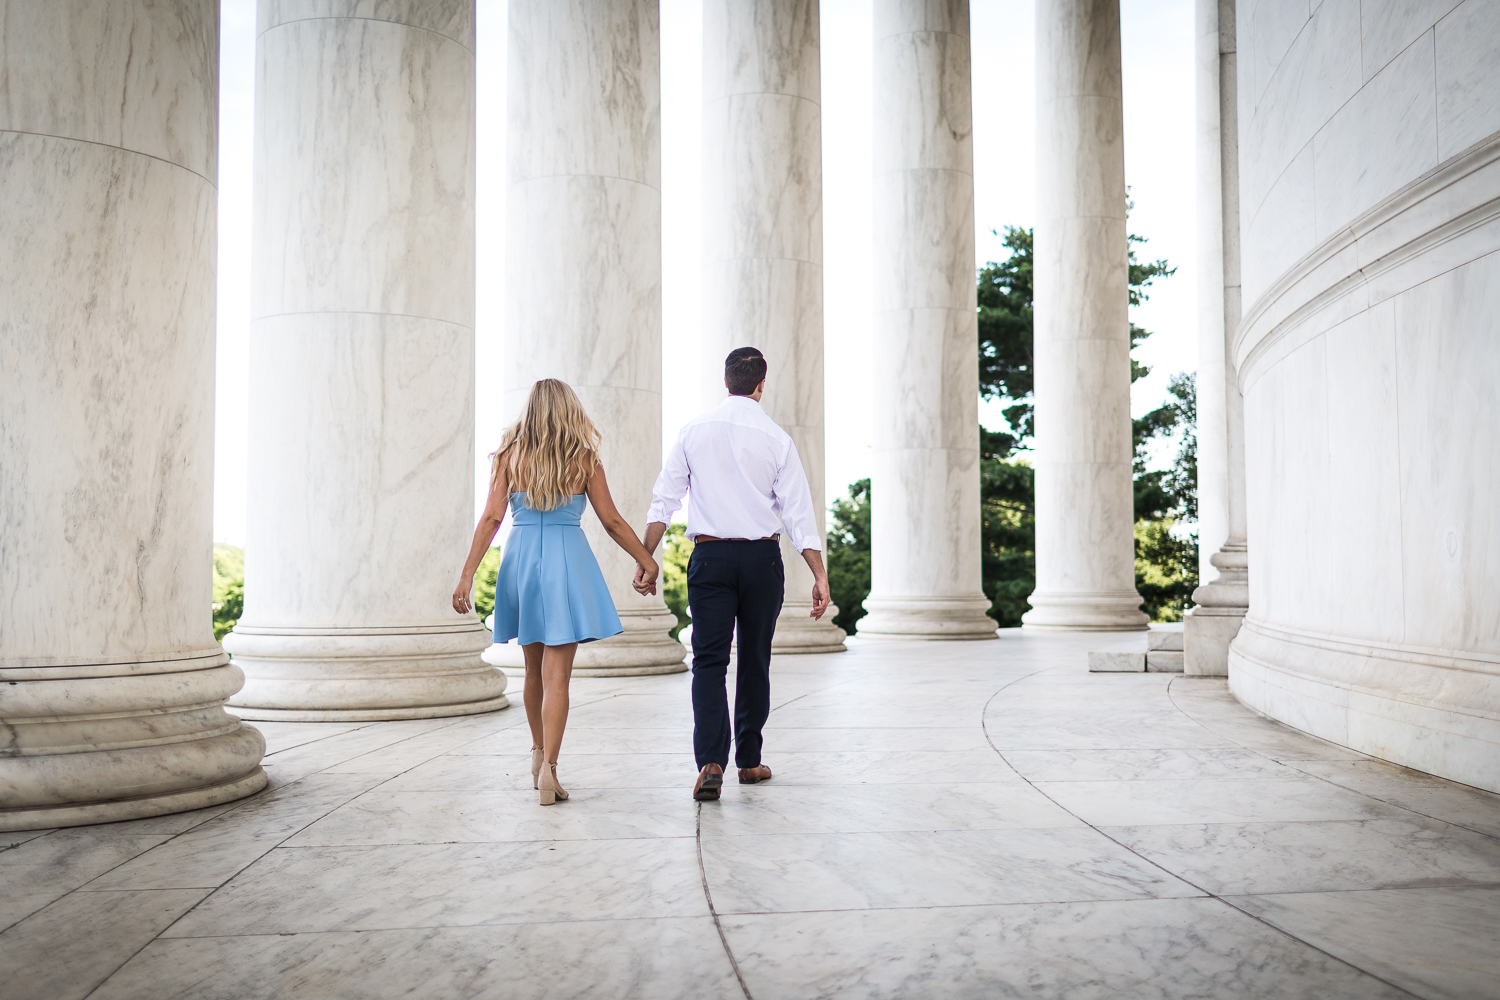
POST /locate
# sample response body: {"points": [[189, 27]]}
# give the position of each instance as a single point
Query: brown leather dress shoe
{"points": [[754, 775], [710, 779]]}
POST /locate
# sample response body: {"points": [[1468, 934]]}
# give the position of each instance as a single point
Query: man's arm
{"points": [[820, 595], [666, 498], [794, 497]]}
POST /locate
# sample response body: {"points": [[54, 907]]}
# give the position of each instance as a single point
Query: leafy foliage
{"points": [[1166, 560], [229, 588], [1007, 529], [849, 555], [676, 550], [1005, 336], [1166, 564], [484, 583]]}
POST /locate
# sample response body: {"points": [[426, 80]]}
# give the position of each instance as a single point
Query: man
{"points": [[747, 485]]}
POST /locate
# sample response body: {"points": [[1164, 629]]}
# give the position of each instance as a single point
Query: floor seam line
{"points": [[1167, 690], [709, 898], [1293, 764]]}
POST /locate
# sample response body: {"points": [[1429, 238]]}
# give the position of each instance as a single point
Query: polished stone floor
{"points": [[978, 820]]}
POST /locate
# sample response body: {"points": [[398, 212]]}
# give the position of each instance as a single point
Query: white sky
{"points": [[1158, 68]]}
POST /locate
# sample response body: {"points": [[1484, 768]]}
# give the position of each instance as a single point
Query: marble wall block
{"points": [[1369, 367], [583, 268], [361, 367], [1085, 519], [925, 552], [763, 242], [113, 687]]}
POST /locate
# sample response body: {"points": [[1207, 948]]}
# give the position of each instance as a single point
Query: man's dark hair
{"points": [[744, 369]]}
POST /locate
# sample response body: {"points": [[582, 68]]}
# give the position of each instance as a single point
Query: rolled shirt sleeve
{"points": [[671, 485], [794, 503]]}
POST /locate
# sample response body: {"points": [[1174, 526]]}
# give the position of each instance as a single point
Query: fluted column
{"points": [[925, 546], [583, 268], [1222, 601], [362, 367], [1085, 554], [763, 242], [111, 685]]}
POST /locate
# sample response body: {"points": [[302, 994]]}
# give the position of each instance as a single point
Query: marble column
{"points": [[583, 269], [1085, 554], [112, 688], [362, 367], [763, 242], [925, 548], [1221, 604]]}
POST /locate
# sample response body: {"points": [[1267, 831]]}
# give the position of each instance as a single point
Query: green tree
{"points": [[1007, 529], [849, 555], [1165, 564], [676, 551], [1166, 560], [484, 583], [229, 588]]}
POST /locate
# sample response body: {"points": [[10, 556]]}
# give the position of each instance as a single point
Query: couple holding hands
{"points": [[747, 486]]}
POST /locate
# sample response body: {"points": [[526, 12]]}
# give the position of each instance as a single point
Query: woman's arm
{"points": [[621, 532], [484, 534]]}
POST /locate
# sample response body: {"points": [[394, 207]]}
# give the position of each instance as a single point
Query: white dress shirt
{"points": [[744, 476]]}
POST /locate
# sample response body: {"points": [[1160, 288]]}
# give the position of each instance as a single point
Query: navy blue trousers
{"points": [[733, 584]]}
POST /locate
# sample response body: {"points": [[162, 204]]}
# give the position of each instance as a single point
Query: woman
{"points": [[550, 595]]}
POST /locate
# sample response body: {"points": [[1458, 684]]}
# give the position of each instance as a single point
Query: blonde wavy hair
{"points": [[551, 449]]}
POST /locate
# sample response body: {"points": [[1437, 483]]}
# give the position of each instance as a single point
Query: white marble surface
{"points": [[762, 276], [108, 144], [583, 268], [1369, 372], [898, 855], [1085, 555], [1223, 594], [925, 574], [361, 366]]}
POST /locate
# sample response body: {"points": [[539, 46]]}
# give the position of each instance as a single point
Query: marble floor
{"points": [[978, 820]]}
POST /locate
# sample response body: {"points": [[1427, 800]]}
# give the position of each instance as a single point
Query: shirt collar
{"points": [[740, 401]]}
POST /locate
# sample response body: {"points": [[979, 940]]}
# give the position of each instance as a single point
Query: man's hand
{"points": [[820, 596]]}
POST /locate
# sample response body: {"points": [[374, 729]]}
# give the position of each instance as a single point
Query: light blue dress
{"points": [[549, 588]]}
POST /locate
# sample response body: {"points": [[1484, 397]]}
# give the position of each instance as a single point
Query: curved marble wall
{"points": [[1369, 358]]}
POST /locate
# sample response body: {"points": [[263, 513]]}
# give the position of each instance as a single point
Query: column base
{"points": [[364, 675], [646, 647], [960, 618], [1115, 611], [797, 634], [119, 810], [1206, 635], [99, 743]]}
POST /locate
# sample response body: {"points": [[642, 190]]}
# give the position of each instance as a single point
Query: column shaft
{"points": [[361, 368], [925, 558], [583, 268], [1085, 556], [111, 685], [763, 241], [1222, 601]]}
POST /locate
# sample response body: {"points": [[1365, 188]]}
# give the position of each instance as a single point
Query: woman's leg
{"points": [[557, 670], [531, 694]]}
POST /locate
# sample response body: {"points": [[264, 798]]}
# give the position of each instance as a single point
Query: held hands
{"points": [[463, 603], [645, 577], [820, 597]]}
